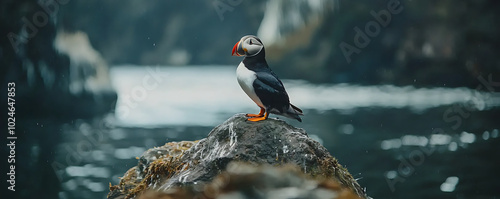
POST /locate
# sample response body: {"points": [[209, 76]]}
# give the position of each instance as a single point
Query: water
{"points": [[399, 142], [208, 95]]}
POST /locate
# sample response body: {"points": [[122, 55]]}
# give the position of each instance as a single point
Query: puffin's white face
{"points": [[248, 46]]}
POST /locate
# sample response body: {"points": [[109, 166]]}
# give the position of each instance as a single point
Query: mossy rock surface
{"points": [[272, 142]]}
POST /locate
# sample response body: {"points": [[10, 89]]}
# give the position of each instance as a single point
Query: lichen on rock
{"points": [[182, 166]]}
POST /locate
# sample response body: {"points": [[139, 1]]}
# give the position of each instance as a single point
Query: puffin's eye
{"points": [[250, 42]]}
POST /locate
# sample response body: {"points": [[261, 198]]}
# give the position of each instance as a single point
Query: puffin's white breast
{"points": [[245, 79]]}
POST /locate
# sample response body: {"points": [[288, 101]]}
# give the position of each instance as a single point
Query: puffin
{"points": [[260, 83]]}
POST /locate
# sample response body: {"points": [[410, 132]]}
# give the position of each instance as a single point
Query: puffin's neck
{"points": [[257, 61]]}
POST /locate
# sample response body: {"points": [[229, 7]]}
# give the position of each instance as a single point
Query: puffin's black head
{"points": [[248, 46]]}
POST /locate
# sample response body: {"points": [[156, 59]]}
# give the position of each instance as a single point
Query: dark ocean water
{"points": [[399, 142]]}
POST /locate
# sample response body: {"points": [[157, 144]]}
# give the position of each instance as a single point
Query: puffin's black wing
{"points": [[271, 91]]}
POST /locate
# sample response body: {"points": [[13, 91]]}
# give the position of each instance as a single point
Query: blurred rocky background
{"points": [[56, 73], [445, 43], [58, 53]]}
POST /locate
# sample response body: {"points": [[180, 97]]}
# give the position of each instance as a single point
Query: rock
{"points": [[56, 73], [44, 76], [272, 142], [243, 180], [426, 44], [90, 71]]}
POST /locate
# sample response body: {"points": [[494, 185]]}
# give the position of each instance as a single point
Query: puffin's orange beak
{"points": [[235, 50]]}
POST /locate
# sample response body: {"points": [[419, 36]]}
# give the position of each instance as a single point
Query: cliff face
{"points": [[159, 32], [237, 148], [58, 76], [56, 73], [446, 43]]}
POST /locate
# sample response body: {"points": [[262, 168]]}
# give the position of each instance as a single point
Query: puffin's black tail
{"points": [[294, 112]]}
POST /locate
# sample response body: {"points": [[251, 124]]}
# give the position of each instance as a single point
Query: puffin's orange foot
{"points": [[261, 113], [254, 115], [256, 119]]}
